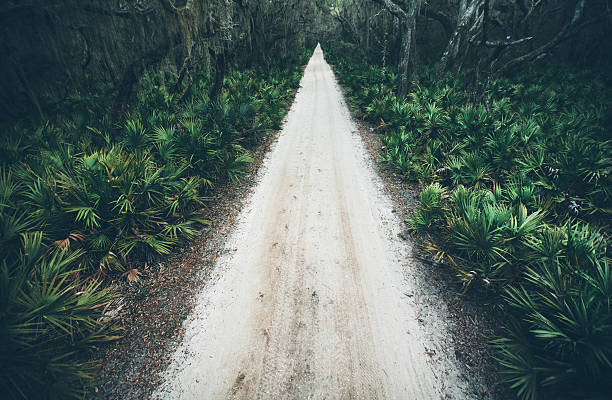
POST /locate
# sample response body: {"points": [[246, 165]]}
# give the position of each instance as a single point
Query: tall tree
{"points": [[406, 13]]}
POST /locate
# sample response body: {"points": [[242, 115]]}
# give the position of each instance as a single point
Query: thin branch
{"points": [[377, 14], [393, 8], [562, 34], [502, 43]]}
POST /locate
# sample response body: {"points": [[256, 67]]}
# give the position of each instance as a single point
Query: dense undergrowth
{"points": [[517, 198], [82, 198]]}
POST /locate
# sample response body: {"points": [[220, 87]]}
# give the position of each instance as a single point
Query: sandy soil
{"points": [[316, 297]]}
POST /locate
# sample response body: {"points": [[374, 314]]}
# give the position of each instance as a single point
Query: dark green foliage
{"points": [[82, 198], [563, 338], [527, 215], [51, 315], [430, 209]]}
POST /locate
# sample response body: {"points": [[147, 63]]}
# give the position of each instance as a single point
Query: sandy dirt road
{"points": [[313, 298]]}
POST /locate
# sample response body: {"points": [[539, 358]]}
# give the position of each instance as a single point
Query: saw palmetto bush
{"points": [[83, 198], [516, 200], [430, 209], [563, 337], [51, 312]]}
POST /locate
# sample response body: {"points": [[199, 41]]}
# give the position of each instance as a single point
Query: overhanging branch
{"points": [[503, 43], [393, 8], [561, 35]]}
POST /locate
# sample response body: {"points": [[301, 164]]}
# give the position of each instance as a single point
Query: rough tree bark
{"points": [[185, 72]]}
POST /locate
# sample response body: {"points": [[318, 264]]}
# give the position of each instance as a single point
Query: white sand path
{"points": [[309, 300]]}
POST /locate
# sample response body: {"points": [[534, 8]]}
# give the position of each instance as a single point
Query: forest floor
{"points": [[313, 290]]}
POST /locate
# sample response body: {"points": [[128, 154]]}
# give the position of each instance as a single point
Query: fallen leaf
{"points": [[133, 275]]}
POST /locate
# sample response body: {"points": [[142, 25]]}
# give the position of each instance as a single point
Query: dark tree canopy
{"points": [[52, 48], [478, 37]]}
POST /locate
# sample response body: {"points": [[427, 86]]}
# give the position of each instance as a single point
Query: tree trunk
{"points": [[407, 19], [404, 60], [125, 89], [220, 70], [454, 43]]}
